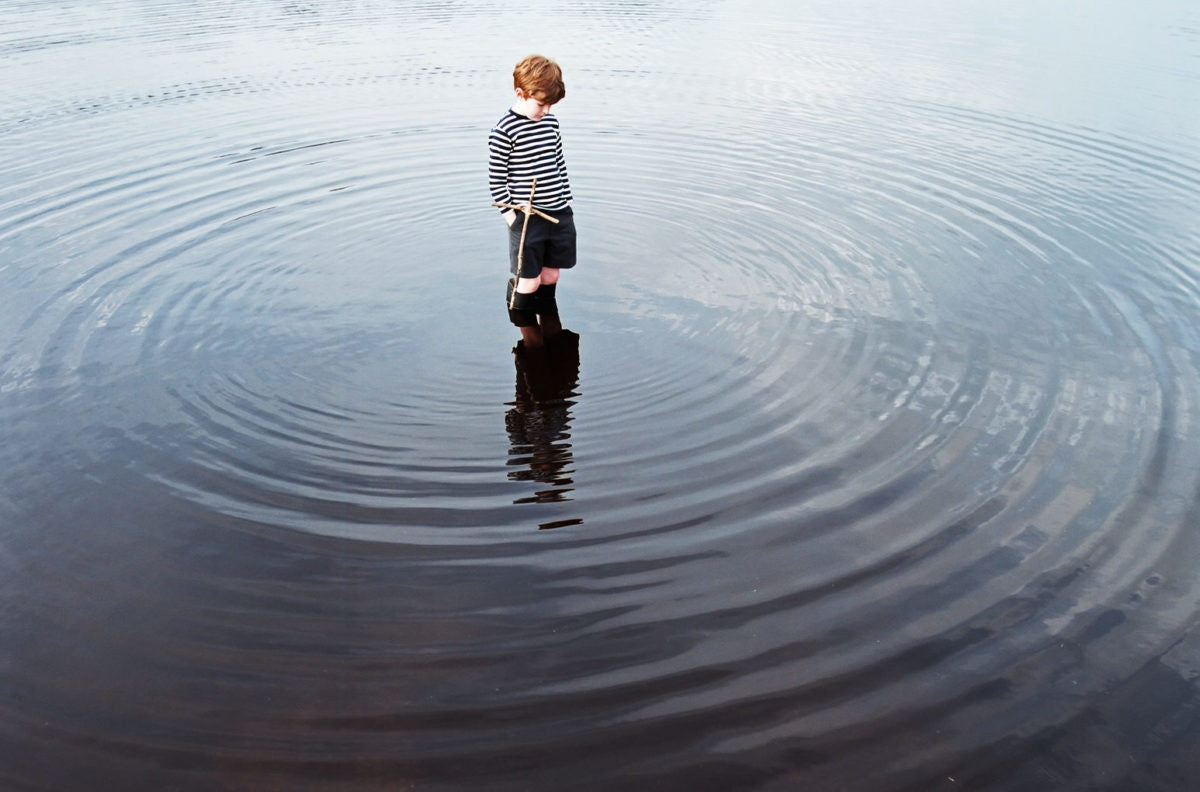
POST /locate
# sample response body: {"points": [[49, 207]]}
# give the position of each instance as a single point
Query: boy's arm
{"points": [[499, 152], [562, 168]]}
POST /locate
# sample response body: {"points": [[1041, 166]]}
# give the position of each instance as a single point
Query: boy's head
{"points": [[539, 78]]}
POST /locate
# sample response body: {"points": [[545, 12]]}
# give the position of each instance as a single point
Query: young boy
{"points": [[524, 146]]}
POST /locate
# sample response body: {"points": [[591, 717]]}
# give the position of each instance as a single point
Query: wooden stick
{"points": [[529, 211], [524, 208]]}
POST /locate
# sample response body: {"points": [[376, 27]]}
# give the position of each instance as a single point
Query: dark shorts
{"points": [[546, 244]]}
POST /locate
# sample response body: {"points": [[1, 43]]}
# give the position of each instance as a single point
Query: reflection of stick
{"points": [[529, 211]]}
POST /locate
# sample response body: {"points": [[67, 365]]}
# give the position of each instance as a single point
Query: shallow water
{"points": [[874, 468]]}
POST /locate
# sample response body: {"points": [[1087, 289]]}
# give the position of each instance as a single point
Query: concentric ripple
{"points": [[866, 462]]}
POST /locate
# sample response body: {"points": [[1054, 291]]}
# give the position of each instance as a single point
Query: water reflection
{"points": [[538, 420]]}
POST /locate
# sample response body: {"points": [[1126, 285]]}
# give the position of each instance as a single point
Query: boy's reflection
{"points": [[539, 417]]}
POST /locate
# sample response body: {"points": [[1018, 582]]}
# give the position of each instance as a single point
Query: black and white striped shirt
{"points": [[520, 150]]}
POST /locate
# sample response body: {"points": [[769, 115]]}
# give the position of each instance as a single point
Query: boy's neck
{"points": [[516, 109]]}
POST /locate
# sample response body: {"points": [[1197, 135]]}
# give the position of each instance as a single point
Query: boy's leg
{"points": [[523, 304], [547, 304], [522, 312], [548, 248], [558, 254]]}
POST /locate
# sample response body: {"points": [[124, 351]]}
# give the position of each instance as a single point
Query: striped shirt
{"points": [[520, 150]]}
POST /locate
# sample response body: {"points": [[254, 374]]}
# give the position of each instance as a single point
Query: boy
{"points": [[524, 146]]}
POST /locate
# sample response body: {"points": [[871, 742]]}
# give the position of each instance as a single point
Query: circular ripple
{"points": [[874, 453]]}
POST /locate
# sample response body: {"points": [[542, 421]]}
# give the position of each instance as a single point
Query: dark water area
{"points": [[873, 465]]}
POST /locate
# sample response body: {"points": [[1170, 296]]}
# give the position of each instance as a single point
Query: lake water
{"points": [[876, 467]]}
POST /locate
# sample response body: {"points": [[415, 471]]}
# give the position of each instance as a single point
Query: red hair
{"points": [[539, 77]]}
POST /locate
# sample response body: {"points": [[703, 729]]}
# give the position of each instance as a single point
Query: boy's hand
{"points": [[510, 217]]}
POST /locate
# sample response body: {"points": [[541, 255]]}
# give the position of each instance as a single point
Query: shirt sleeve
{"points": [[499, 151], [562, 169]]}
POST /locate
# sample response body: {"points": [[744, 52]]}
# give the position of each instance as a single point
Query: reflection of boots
{"points": [[548, 375], [539, 421], [550, 325], [563, 348], [531, 337]]}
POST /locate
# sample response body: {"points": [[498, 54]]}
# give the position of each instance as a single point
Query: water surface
{"points": [[873, 469]]}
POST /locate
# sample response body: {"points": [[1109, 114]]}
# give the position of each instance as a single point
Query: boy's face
{"points": [[531, 106]]}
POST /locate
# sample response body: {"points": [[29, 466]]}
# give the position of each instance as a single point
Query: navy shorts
{"points": [[546, 244]]}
